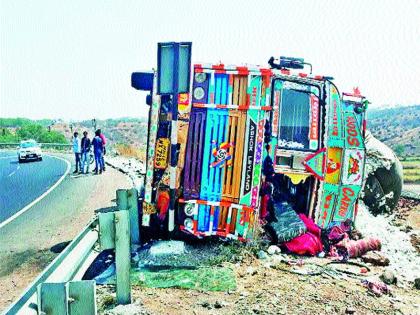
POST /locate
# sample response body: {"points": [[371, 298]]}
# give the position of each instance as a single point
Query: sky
{"points": [[73, 59]]}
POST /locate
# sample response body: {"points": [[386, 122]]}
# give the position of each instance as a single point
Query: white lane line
{"points": [[11, 173], [26, 208]]}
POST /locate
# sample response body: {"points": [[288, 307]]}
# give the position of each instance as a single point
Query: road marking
{"points": [[26, 208], [11, 173]]}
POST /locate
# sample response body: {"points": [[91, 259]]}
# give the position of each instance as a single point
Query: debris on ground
{"points": [[375, 258], [404, 260], [376, 287]]}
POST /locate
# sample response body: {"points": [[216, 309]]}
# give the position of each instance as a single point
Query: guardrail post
{"points": [[122, 256], [122, 199], [133, 208]]}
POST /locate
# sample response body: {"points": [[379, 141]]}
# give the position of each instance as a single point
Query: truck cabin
{"points": [[297, 131]]}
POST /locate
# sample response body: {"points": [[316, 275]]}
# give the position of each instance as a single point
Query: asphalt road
{"points": [[27, 242], [22, 183]]}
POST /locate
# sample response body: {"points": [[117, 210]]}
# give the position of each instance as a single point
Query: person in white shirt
{"points": [[77, 152]]}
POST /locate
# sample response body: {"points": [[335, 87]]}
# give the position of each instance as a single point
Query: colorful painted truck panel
{"points": [[229, 123]]}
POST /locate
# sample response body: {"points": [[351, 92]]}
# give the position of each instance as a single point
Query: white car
{"points": [[29, 150]]}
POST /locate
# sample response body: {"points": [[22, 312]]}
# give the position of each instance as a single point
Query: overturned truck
{"points": [[225, 142]]}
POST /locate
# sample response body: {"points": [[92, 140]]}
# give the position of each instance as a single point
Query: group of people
{"points": [[82, 148]]}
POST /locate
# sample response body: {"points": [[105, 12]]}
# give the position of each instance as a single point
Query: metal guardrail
{"points": [[54, 146], [63, 268]]}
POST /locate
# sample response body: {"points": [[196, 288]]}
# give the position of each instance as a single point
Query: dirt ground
{"points": [[267, 289], [33, 240], [277, 286]]}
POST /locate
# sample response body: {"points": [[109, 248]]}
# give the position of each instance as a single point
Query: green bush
{"points": [[27, 130]]}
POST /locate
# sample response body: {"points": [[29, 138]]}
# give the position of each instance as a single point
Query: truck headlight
{"points": [[189, 209], [189, 224], [198, 93], [200, 77]]}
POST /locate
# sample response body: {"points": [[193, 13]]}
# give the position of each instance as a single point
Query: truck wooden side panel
{"points": [[233, 169]]}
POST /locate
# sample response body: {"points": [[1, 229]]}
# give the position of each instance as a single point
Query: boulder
{"points": [[417, 283], [262, 255], [273, 249], [388, 277]]}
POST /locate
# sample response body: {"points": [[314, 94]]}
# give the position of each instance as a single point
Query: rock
{"points": [[166, 248], [388, 277], [251, 271], [375, 258], [205, 304], [417, 283], [262, 255], [273, 249], [220, 304]]}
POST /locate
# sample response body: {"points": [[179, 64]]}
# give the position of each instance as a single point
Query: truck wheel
{"points": [[383, 176]]}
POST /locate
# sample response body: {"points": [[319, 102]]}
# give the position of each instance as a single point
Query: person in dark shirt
{"points": [[85, 149], [98, 151]]}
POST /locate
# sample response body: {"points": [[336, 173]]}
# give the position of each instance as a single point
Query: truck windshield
{"points": [[294, 119]]}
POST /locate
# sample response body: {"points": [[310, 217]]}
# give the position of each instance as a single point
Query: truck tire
{"points": [[383, 177]]}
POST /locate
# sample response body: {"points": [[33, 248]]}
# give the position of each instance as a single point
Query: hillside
{"points": [[128, 131], [398, 127]]}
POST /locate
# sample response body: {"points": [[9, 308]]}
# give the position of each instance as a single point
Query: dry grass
{"points": [[128, 150], [411, 168]]}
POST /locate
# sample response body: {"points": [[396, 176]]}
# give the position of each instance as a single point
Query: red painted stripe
{"points": [[247, 208], [212, 210], [242, 70], [285, 71], [266, 72], [243, 107], [303, 75], [318, 77], [266, 108], [218, 67], [225, 203], [199, 105], [198, 65], [198, 70], [228, 226]]}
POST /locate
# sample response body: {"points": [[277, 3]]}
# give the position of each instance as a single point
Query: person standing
{"points": [[85, 149], [103, 147], [98, 152], [77, 150]]}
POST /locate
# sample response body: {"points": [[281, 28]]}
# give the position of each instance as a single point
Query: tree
{"points": [[399, 150]]}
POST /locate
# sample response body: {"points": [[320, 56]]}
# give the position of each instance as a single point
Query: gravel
{"points": [[396, 244]]}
